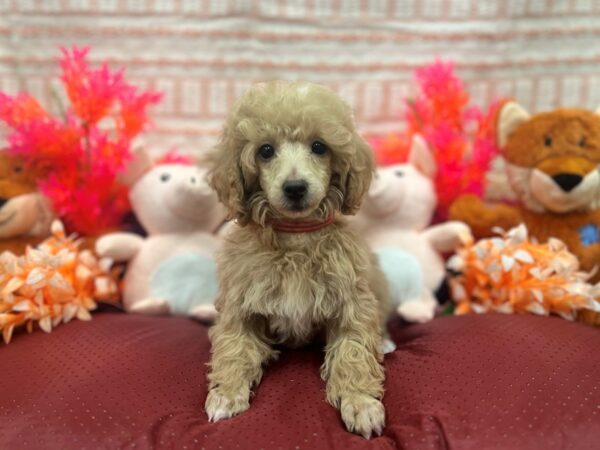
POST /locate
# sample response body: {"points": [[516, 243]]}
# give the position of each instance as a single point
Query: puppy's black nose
{"points": [[567, 181], [295, 190], [3, 201]]}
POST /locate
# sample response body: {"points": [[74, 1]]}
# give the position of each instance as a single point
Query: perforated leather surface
{"points": [[127, 381]]}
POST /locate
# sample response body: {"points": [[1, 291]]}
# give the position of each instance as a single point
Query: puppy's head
{"points": [[290, 150]]}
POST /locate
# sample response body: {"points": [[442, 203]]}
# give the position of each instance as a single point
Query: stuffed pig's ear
{"points": [[138, 166], [420, 156], [509, 118]]}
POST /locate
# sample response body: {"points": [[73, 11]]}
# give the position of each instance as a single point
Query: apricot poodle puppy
{"points": [[288, 165]]}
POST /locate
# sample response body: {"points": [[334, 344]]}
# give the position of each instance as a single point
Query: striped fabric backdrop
{"points": [[204, 53]]}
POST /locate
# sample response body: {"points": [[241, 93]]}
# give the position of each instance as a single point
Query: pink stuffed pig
{"points": [[173, 269], [394, 219]]}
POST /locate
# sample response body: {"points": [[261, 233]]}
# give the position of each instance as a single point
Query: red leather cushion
{"points": [[458, 382]]}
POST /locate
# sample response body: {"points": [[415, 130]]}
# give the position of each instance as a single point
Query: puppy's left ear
{"points": [[360, 173]]}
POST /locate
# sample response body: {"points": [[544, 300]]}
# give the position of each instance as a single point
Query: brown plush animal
{"points": [[552, 165], [25, 216]]}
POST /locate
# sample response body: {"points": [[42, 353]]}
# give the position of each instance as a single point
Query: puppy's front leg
{"points": [[238, 353], [353, 367]]}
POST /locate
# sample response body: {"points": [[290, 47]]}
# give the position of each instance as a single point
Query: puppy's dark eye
{"points": [[582, 142], [399, 173], [547, 141], [18, 169], [165, 177], [266, 151], [318, 148]]}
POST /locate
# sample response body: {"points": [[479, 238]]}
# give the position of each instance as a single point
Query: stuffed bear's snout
{"points": [[567, 181]]}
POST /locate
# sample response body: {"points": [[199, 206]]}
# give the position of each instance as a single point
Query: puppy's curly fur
{"points": [[283, 288]]}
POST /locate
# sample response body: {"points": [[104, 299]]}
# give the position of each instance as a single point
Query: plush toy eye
{"points": [[582, 142], [165, 177], [547, 141], [318, 148], [399, 173], [266, 151]]}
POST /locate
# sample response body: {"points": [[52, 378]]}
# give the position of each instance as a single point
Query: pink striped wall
{"points": [[204, 53]]}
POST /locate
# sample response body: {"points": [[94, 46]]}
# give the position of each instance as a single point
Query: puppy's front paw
{"points": [[223, 405], [363, 414]]}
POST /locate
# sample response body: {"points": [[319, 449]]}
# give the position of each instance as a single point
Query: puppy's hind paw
{"points": [[363, 415], [220, 406]]}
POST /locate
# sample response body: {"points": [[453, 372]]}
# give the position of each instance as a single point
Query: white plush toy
{"points": [[394, 218], [173, 269]]}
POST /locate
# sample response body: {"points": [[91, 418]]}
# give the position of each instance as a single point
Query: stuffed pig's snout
{"points": [[378, 186], [388, 189], [193, 186]]}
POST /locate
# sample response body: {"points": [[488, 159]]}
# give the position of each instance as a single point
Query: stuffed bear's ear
{"points": [[420, 156], [138, 166], [509, 118]]}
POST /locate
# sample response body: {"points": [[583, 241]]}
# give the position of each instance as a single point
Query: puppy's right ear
{"points": [[225, 176]]}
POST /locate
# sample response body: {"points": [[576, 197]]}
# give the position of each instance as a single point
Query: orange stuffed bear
{"points": [[25, 217], [552, 165]]}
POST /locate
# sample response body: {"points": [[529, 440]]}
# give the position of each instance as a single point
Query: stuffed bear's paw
{"points": [[223, 404], [150, 306], [363, 414], [467, 207], [204, 313], [417, 311]]}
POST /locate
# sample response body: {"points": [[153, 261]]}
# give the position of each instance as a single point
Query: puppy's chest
{"points": [[296, 294]]}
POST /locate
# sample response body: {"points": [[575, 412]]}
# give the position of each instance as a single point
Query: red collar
{"points": [[301, 226]]}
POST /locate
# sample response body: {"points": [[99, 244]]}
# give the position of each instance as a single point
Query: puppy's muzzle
{"points": [[295, 190]]}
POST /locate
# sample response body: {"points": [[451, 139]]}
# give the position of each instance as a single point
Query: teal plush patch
{"points": [[184, 281], [589, 234], [403, 272]]}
